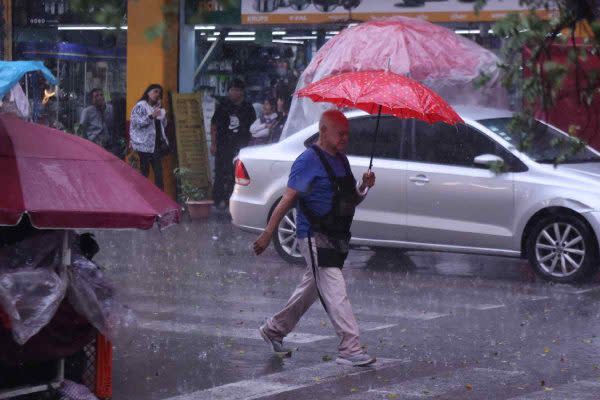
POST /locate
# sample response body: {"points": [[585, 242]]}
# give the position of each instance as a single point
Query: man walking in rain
{"points": [[322, 187]]}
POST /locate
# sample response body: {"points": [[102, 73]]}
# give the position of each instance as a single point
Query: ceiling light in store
{"points": [[352, 24], [279, 33], [299, 37], [313, 33], [328, 37], [204, 27], [470, 31], [211, 39], [216, 33], [242, 33], [88, 28], [333, 32], [239, 39], [203, 34], [467, 31], [287, 41]]}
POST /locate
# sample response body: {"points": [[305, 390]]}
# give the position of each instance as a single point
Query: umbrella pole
{"points": [[66, 248], [375, 140]]}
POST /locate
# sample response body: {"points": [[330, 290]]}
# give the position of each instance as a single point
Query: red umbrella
{"points": [[382, 92], [62, 181]]}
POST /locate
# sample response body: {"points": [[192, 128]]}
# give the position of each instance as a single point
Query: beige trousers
{"points": [[332, 287]]}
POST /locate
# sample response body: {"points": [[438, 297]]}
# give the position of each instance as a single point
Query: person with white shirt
{"points": [[261, 129], [147, 132]]}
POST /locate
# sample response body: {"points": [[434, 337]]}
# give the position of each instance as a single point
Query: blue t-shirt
{"points": [[309, 177]]}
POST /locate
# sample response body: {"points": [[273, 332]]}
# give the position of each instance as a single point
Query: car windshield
{"points": [[543, 146]]}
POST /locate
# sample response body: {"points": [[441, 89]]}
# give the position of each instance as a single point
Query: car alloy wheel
{"points": [[286, 235], [560, 249]]}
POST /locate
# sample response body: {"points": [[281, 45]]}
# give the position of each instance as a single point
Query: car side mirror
{"points": [[489, 161]]}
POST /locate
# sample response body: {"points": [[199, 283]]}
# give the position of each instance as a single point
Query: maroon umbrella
{"points": [[382, 92], [62, 181]]}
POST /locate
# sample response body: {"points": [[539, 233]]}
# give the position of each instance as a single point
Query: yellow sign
{"points": [[192, 151]]}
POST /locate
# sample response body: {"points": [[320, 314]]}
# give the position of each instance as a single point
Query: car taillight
{"points": [[241, 175]]}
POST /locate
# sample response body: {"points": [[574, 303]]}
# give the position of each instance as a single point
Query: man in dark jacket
{"points": [[230, 131]]}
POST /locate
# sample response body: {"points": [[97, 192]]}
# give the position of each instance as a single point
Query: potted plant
{"points": [[195, 199]]}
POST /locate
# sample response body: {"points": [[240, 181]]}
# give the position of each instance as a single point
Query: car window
{"points": [[543, 143], [362, 135], [454, 145]]}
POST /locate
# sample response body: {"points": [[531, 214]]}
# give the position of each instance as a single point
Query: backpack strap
{"points": [[312, 217], [346, 163], [325, 163]]}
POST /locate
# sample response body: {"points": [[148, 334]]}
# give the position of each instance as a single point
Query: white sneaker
{"points": [[357, 360]]}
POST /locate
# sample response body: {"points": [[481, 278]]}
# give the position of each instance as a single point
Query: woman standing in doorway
{"points": [[147, 132]]}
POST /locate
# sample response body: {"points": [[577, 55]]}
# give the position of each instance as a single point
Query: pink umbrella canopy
{"points": [[382, 92], [64, 182], [428, 53], [424, 51]]}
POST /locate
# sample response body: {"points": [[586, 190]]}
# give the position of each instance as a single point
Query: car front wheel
{"points": [[285, 241], [562, 249]]}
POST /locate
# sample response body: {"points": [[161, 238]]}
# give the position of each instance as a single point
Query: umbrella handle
{"points": [[375, 139]]}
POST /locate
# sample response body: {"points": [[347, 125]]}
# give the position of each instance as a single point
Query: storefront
{"points": [[81, 54], [269, 43]]}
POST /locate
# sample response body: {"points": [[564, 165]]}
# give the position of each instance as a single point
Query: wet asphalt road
{"points": [[443, 326]]}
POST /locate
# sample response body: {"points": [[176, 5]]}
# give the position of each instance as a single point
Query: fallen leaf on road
{"points": [[469, 386], [353, 390], [326, 358], [548, 389], [317, 379], [392, 396], [546, 350]]}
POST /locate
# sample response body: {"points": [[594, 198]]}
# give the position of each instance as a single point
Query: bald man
{"points": [[322, 188]]}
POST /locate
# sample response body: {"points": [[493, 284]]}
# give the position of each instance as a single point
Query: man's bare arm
{"points": [[288, 201]]}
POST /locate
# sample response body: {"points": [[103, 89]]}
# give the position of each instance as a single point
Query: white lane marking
{"points": [[270, 385], [240, 333], [192, 297], [483, 307], [579, 390], [438, 385], [582, 291], [411, 314], [244, 301], [532, 298], [376, 328], [243, 333]]}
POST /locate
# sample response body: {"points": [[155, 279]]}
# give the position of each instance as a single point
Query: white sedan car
{"points": [[437, 190]]}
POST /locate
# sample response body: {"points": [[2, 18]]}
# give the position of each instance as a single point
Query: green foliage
{"points": [[187, 190], [106, 12], [528, 66]]}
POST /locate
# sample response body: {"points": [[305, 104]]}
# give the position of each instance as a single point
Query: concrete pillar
{"points": [[6, 30], [187, 53], [153, 61]]}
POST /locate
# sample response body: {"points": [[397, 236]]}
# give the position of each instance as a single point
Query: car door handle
{"points": [[419, 179]]}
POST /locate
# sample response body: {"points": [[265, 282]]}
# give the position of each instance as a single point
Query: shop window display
{"points": [[270, 72], [81, 61]]}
